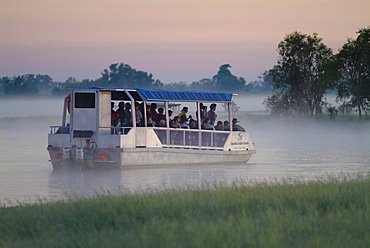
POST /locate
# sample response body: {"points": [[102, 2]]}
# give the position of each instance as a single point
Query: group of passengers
{"points": [[122, 117]]}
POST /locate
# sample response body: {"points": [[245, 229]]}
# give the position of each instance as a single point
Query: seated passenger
{"points": [[184, 123], [207, 124], [150, 122], [226, 126], [193, 124], [237, 127], [219, 126], [161, 123], [176, 122], [160, 115]]}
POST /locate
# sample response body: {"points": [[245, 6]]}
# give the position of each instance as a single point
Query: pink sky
{"points": [[173, 40]]}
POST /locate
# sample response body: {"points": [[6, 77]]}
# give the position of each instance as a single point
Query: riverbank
{"points": [[330, 212]]}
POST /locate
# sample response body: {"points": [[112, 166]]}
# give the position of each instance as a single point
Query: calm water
{"points": [[304, 150]]}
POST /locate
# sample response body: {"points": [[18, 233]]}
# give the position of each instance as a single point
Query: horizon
{"points": [[174, 41]]}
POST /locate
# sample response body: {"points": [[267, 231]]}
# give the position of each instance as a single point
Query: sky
{"points": [[176, 41]]}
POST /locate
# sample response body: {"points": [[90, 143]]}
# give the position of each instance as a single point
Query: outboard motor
{"points": [[79, 154], [66, 153]]}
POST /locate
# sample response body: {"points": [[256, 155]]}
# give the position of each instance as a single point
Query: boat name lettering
{"points": [[239, 143]]}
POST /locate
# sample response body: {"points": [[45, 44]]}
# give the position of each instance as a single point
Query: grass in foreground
{"points": [[326, 213]]}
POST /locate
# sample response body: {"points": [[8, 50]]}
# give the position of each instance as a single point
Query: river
{"points": [[304, 150]]}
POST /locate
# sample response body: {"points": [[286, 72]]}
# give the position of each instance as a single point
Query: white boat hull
{"points": [[149, 156], [167, 156]]}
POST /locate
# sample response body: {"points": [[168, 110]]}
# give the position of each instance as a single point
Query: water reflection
{"points": [[83, 183], [171, 176], [87, 183]]}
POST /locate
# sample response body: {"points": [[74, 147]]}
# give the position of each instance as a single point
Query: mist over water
{"points": [[303, 149]]}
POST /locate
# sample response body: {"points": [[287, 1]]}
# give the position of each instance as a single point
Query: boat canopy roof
{"points": [[169, 95], [184, 95]]}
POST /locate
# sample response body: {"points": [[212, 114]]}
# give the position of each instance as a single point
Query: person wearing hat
{"points": [[161, 123], [237, 127]]}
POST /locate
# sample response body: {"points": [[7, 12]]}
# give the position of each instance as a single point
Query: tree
{"points": [[182, 85], [303, 74], [4, 81], [17, 85], [234, 106], [225, 81], [353, 62], [123, 75], [203, 84], [263, 85], [58, 92], [158, 84], [71, 80]]}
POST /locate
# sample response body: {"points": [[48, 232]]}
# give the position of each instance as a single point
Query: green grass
{"points": [[334, 212]]}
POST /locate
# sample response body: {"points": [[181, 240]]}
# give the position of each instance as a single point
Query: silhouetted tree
{"points": [[354, 69], [263, 85], [18, 86], [158, 84], [224, 80], [124, 76], [71, 80], [177, 86], [303, 74], [203, 84]]}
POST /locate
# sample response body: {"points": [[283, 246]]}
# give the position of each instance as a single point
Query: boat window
{"points": [[85, 100]]}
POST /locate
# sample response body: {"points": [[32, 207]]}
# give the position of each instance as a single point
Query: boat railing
{"points": [[191, 138], [111, 130], [169, 137], [181, 137]]}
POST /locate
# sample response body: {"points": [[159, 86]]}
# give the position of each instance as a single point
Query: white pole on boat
{"points": [[199, 125], [133, 109], [133, 114], [166, 106], [167, 122], [145, 114], [198, 115], [64, 110], [230, 109]]}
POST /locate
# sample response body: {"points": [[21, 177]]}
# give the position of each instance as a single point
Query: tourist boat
{"points": [[86, 138]]}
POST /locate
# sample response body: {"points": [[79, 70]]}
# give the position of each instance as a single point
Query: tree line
{"points": [[306, 70], [120, 75]]}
